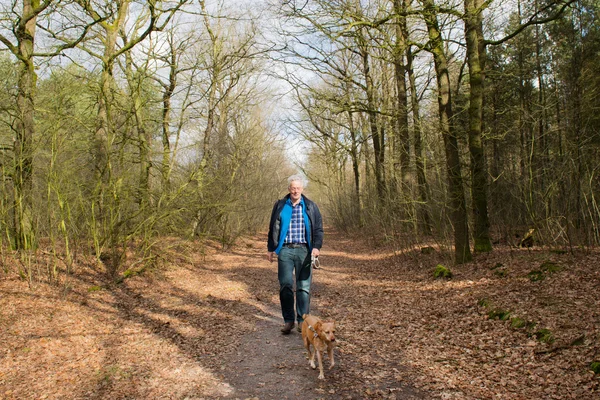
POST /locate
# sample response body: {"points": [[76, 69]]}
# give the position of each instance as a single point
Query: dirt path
{"points": [[269, 365]]}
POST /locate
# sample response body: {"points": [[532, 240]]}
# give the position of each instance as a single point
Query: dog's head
{"points": [[326, 330]]}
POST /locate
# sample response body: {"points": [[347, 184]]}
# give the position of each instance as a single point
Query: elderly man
{"points": [[295, 234]]}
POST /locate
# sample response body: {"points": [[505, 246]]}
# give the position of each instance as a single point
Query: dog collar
{"points": [[313, 329]]}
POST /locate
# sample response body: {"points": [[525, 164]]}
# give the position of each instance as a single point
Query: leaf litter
{"points": [[205, 324]]}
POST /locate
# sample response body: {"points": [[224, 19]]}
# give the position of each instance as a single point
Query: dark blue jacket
{"points": [[314, 215]]}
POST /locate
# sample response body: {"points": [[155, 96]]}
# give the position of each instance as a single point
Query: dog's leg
{"points": [[311, 357], [320, 359], [330, 354]]}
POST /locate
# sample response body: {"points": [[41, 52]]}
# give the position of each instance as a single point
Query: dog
{"points": [[321, 335]]}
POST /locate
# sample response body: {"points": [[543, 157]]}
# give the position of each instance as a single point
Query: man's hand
{"points": [[315, 252], [270, 256]]}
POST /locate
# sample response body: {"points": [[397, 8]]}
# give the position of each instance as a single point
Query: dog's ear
{"points": [[318, 325]]}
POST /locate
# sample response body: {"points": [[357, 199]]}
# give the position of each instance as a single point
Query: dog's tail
{"points": [[304, 316]]}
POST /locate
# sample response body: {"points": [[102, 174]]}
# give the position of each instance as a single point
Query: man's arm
{"points": [[271, 245], [317, 229]]}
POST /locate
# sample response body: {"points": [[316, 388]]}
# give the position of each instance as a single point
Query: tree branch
{"points": [[532, 21]]}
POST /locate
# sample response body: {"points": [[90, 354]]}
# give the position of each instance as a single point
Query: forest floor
{"points": [[204, 324]]}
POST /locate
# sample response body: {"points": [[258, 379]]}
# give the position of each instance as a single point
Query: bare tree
{"points": [[456, 195], [476, 60], [23, 28]]}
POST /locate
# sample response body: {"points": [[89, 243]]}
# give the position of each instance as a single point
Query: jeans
{"points": [[289, 262]]}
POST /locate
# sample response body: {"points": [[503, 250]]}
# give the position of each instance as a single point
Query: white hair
{"points": [[297, 178]]}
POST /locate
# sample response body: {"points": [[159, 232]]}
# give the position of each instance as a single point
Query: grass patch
{"points": [[484, 303], [518, 323], [94, 288], [595, 367]]}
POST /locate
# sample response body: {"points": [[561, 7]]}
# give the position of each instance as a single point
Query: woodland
{"points": [[138, 137]]}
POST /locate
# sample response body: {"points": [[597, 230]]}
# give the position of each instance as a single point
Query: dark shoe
{"points": [[287, 328]]}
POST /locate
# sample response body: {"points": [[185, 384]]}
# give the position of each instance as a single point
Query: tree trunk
{"points": [[378, 148], [142, 135], [456, 194], [169, 90], [423, 215], [354, 155], [402, 142], [25, 128], [476, 60]]}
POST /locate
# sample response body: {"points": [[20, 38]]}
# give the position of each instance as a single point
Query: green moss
{"points": [[94, 288], [544, 335], [518, 323], [442, 272], [595, 367], [502, 315], [484, 303], [578, 341], [536, 276], [550, 267], [546, 268]]}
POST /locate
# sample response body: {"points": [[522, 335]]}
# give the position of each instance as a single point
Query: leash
{"points": [[313, 329], [314, 261]]}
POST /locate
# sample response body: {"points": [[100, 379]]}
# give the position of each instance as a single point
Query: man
{"points": [[295, 234]]}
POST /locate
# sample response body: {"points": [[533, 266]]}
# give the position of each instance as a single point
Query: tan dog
{"points": [[321, 335]]}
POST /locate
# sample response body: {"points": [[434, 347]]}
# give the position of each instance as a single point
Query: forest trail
{"points": [[204, 323], [269, 365]]}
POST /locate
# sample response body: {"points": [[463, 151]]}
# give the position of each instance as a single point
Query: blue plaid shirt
{"points": [[296, 232]]}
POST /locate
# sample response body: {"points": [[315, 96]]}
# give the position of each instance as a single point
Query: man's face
{"points": [[295, 190]]}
